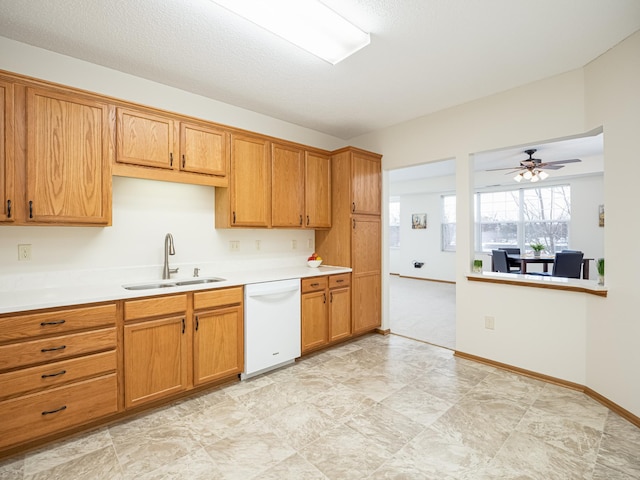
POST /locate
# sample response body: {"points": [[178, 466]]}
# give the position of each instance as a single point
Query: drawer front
{"points": [[19, 382], [314, 284], [32, 416], [154, 307], [20, 327], [217, 298], [338, 281], [22, 354]]}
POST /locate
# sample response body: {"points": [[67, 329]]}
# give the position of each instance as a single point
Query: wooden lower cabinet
{"points": [[58, 370], [32, 416], [326, 311], [155, 359]]}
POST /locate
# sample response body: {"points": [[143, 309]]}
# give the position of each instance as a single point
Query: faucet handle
{"points": [[196, 272]]}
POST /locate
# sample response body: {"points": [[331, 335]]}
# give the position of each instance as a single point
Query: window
{"points": [[394, 222], [448, 223], [517, 218]]}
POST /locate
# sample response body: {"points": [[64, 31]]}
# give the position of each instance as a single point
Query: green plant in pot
{"points": [[537, 247], [477, 266], [600, 267]]}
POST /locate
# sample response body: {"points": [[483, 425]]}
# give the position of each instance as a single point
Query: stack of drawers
{"points": [[57, 370]]}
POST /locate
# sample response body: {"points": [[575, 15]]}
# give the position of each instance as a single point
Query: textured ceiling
{"points": [[425, 55]]}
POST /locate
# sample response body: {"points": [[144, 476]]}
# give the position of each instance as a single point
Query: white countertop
{"points": [[20, 300]]}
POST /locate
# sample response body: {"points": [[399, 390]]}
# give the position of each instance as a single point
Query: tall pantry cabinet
{"points": [[354, 239]]}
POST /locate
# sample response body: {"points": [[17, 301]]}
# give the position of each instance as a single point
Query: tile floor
{"points": [[376, 408]]}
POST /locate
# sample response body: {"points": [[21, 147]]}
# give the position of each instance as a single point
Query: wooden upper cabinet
{"points": [[366, 187], [250, 184], [7, 208], [144, 139], [317, 196], [204, 149], [68, 158], [287, 186]]}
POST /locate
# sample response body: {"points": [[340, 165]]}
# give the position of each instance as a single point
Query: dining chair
{"points": [[514, 265], [500, 262], [565, 264]]}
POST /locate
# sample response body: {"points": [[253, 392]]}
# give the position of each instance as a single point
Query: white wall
{"points": [[584, 339]]}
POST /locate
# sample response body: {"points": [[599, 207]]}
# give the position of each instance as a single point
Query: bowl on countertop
{"points": [[314, 263]]}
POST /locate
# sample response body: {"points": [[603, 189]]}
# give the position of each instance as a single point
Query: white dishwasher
{"points": [[271, 325]]}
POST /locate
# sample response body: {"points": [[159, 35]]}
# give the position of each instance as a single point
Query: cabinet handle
{"points": [[307, 219], [315, 284], [57, 322], [197, 323], [171, 159], [183, 325], [8, 208], [324, 298], [53, 349], [301, 219], [353, 206], [30, 209], [340, 281], [184, 162], [64, 407], [354, 224], [331, 297], [234, 217], [47, 375]]}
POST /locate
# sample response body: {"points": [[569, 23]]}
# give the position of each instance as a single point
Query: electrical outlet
{"points": [[24, 252], [489, 323], [294, 244], [234, 245], [257, 244]]}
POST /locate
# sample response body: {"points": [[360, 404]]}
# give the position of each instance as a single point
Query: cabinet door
{"points": [[365, 184], [315, 331], [68, 159], [250, 186], [155, 360], [317, 190], [339, 314], [144, 139], [7, 212], [366, 274], [287, 186], [204, 149], [218, 344]]}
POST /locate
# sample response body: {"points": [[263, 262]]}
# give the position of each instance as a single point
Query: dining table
{"points": [[545, 260]]}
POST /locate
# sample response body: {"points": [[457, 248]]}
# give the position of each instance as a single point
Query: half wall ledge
{"points": [[537, 281]]}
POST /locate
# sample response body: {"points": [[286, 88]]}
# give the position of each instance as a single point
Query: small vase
{"points": [[536, 254], [600, 279]]}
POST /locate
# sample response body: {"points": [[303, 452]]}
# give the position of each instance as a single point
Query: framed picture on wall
{"points": [[419, 220]]}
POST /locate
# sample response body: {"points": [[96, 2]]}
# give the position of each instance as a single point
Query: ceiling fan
{"points": [[532, 168]]}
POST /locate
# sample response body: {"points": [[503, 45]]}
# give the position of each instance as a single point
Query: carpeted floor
{"points": [[423, 310]]}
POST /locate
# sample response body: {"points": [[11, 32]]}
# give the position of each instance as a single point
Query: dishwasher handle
{"points": [[274, 291]]}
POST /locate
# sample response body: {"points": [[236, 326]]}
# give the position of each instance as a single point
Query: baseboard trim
{"points": [[614, 407]]}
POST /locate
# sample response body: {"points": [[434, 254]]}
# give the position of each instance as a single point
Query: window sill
{"points": [[554, 283]]}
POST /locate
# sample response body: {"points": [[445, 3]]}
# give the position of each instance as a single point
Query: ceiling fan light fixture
{"points": [[308, 24], [534, 178], [518, 178], [527, 175], [542, 174]]}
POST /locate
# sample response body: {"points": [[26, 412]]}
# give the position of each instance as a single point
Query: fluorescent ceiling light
{"points": [[308, 24]]}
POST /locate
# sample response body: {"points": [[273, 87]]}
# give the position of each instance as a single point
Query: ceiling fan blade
{"points": [[515, 169], [559, 162], [551, 167]]}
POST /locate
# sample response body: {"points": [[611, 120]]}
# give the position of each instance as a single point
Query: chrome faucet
{"points": [[168, 250]]}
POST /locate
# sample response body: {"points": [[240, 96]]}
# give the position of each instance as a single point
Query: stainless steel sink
{"points": [[181, 283], [198, 281]]}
